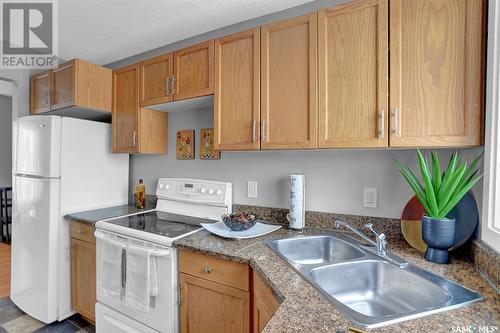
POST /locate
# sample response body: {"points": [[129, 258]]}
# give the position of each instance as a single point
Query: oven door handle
{"points": [[125, 244], [106, 238]]}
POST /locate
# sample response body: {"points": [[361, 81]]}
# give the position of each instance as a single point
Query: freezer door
{"points": [[38, 146], [35, 222]]}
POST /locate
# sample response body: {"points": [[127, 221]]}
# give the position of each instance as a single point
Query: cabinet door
{"points": [[156, 80], [125, 109], [288, 75], [353, 87], [264, 304], [83, 276], [63, 85], [237, 91], [436, 72], [212, 307], [40, 92], [194, 71]]}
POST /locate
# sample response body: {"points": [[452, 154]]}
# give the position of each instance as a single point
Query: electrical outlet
{"points": [[252, 189], [370, 197]]}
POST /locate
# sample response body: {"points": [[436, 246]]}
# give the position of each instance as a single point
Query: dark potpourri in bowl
{"points": [[239, 221]]}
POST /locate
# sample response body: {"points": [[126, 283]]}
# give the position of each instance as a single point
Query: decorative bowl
{"points": [[239, 221]]}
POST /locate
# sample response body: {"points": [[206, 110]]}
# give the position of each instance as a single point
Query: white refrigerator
{"points": [[60, 165]]}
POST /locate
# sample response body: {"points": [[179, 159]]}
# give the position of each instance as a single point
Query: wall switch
{"points": [[370, 197], [252, 189]]}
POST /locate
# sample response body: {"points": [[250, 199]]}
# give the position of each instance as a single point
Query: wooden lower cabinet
{"points": [[264, 304], [213, 307], [83, 270], [222, 296]]}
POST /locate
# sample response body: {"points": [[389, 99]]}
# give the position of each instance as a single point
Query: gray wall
{"points": [[21, 97], [334, 178], [5, 141]]}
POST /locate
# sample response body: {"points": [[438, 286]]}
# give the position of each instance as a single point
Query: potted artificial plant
{"points": [[439, 194]]}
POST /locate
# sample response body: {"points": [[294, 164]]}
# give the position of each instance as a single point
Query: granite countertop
{"points": [[92, 216], [304, 309]]}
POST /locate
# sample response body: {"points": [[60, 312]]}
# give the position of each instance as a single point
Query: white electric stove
{"points": [[182, 205]]}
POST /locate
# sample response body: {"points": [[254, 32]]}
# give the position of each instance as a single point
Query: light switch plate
{"points": [[252, 189], [370, 197]]}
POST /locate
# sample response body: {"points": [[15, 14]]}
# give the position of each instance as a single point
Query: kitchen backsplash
{"points": [[325, 221]]}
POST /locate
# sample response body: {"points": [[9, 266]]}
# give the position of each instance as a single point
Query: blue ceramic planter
{"points": [[439, 235]]}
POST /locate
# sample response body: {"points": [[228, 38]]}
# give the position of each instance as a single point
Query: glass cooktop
{"points": [[161, 223]]}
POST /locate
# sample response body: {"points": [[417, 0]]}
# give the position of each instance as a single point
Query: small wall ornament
{"points": [[185, 145], [207, 151]]}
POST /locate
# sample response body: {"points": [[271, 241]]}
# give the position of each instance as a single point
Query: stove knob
{"points": [[162, 186], [219, 192], [167, 187], [211, 191], [203, 190]]}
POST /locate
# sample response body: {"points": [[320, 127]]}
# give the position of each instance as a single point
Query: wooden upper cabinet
{"points": [[155, 81], [40, 92], [135, 129], [63, 85], [436, 72], [237, 91], [193, 71], [73, 84], [353, 75], [288, 78], [125, 119]]}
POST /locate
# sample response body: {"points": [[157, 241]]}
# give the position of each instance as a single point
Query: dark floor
{"points": [[13, 320]]}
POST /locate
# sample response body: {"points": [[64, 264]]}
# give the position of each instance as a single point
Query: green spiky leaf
{"points": [[441, 191], [429, 189], [436, 172]]}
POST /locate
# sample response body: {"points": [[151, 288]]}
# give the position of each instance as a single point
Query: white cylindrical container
{"points": [[296, 216]]}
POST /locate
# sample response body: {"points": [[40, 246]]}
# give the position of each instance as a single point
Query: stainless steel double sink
{"points": [[368, 289]]}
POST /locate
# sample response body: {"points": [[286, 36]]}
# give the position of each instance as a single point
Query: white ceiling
{"points": [[104, 31]]}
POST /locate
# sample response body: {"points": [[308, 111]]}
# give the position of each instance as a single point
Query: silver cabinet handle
{"points": [[381, 128], [395, 129], [168, 81], [254, 135], [48, 98], [134, 138], [208, 269], [173, 85], [263, 134]]}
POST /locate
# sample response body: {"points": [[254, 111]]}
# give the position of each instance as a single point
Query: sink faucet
{"points": [[381, 242]]}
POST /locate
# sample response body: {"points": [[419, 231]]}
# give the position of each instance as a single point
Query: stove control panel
{"points": [[195, 191]]}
